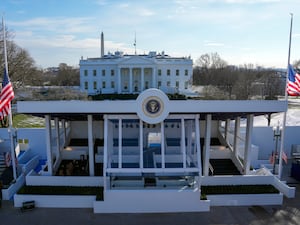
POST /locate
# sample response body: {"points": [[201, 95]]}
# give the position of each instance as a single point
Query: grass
{"points": [[27, 121], [62, 190]]}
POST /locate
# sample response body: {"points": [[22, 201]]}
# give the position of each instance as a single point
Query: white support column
{"points": [[91, 146], [130, 80], [63, 126], [183, 147], [153, 78], [141, 143], [162, 131], [247, 154], [236, 136], [198, 145], [120, 143], [207, 144], [57, 152], [142, 79], [48, 144], [105, 160], [119, 81], [227, 126]]}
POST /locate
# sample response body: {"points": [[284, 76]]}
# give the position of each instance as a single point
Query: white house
{"points": [[121, 73]]}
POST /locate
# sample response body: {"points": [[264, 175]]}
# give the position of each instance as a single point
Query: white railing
{"points": [[30, 165]]}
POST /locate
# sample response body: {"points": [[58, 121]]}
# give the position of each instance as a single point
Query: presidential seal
{"points": [[152, 106]]}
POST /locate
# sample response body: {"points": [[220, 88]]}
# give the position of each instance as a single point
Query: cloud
{"points": [[246, 1], [213, 44], [57, 24]]}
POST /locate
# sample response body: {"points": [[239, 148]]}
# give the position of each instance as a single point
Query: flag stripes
{"points": [[293, 86], [6, 96]]}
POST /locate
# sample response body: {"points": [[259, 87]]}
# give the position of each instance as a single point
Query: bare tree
{"points": [[21, 65], [67, 76]]}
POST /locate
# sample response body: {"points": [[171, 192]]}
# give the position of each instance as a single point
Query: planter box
{"points": [[245, 199], [56, 201]]}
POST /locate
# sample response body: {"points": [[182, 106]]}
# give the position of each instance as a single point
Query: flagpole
{"points": [[10, 121], [286, 99]]}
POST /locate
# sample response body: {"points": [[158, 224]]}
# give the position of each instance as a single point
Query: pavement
{"points": [[286, 214]]}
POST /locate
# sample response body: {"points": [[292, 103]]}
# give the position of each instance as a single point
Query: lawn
{"points": [[27, 121]]}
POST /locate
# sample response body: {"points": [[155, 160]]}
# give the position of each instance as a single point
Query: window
{"points": [[177, 72], [112, 84], [186, 72], [95, 85], [103, 84], [85, 72], [146, 84], [186, 84], [168, 72], [159, 84], [103, 72], [159, 72], [95, 72], [168, 83], [86, 85], [112, 72], [177, 84]]}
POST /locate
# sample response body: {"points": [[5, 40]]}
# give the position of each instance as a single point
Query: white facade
{"points": [[120, 73]]}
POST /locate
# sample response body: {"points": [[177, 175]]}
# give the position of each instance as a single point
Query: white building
{"points": [[119, 73]]}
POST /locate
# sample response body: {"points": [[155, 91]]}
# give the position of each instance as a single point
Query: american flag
{"points": [[6, 96], [293, 86]]}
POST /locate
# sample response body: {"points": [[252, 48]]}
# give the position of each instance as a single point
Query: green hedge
{"points": [[238, 189], [62, 190], [130, 97]]}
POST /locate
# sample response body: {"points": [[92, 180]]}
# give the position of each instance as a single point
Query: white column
{"points": [[198, 145], [162, 131], [56, 122], [207, 144], [227, 127], [236, 136], [120, 144], [130, 80], [48, 144], [63, 126], [247, 154], [105, 160], [142, 79], [189, 137], [183, 149], [119, 81], [91, 146], [141, 144], [154, 83]]}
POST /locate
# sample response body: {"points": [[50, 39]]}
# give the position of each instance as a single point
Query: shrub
{"points": [[62, 190], [238, 189]]}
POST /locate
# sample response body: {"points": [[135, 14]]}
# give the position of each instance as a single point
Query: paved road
{"points": [[287, 214]]}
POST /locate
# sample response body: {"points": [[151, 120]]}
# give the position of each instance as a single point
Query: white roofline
{"points": [[131, 106]]}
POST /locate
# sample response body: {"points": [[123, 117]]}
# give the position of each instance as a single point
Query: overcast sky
{"points": [[241, 31]]}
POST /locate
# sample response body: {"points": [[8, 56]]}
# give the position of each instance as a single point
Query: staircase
{"points": [[223, 167], [2, 164]]}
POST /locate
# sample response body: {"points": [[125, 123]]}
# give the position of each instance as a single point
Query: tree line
{"points": [[223, 81]]}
